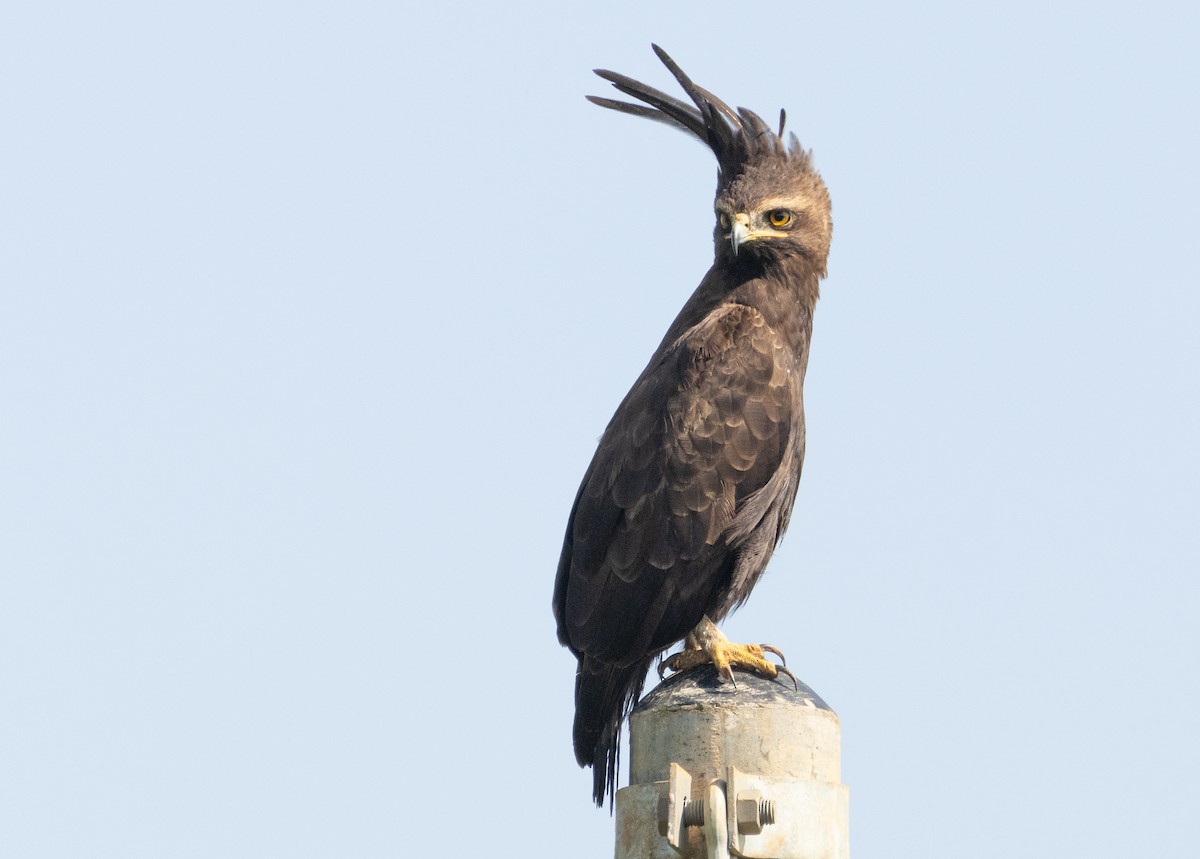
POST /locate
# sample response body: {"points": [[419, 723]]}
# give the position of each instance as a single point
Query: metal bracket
{"points": [[808, 817], [754, 816], [716, 825], [672, 805]]}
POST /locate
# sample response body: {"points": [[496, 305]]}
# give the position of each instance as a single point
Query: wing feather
{"points": [[700, 436]]}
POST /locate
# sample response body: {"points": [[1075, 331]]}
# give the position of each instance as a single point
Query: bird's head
{"points": [[771, 203], [774, 208]]}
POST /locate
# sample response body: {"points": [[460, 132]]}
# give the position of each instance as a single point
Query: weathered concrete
{"points": [[760, 739]]}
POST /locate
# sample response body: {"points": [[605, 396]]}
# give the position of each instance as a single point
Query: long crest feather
{"points": [[683, 114], [736, 137], [645, 112]]}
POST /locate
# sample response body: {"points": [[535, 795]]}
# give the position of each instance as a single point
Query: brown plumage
{"points": [[693, 481]]}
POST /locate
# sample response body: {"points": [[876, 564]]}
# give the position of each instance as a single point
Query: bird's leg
{"points": [[706, 644]]}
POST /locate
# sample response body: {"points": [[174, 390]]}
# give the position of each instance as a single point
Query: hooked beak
{"points": [[739, 231]]}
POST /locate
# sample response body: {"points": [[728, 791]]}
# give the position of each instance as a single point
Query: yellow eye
{"points": [[779, 217], [723, 220]]}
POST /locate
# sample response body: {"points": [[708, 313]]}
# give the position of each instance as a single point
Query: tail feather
{"points": [[604, 696]]}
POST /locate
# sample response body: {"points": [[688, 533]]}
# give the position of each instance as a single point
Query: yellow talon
{"points": [[707, 644]]}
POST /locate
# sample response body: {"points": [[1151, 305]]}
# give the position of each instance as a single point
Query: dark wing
{"points": [[689, 453], [677, 514]]}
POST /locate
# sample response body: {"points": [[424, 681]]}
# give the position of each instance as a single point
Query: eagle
{"points": [[693, 481]]}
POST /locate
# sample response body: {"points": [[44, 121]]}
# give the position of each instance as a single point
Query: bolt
{"points": [[693, 812], [754, 812]]}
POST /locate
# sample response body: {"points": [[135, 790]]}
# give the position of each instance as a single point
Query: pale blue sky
{"points": [[311, 314]]}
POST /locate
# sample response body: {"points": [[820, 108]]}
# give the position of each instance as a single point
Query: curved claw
{"points": [[680, 661], [782, 670], [770, 649]]}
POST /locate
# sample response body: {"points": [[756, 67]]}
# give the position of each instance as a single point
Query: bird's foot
{"points": [[706, 644]]}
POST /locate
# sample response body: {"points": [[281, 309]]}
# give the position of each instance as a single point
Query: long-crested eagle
{"points": [[693, 481]]}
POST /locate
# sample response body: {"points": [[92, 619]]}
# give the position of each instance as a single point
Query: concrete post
{"points": [[717, 771]]}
